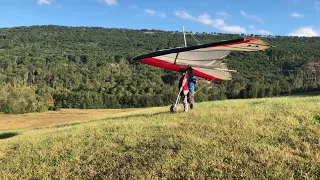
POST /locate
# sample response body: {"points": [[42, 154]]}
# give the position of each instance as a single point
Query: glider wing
{"points": [[206, 59]]}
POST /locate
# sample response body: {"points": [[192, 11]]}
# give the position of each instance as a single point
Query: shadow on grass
{"points": [[257, 103], [7, 135], [110, 118]]}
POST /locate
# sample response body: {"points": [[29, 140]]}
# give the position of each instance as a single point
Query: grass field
{"points": [[275, 138], [35, 120]]}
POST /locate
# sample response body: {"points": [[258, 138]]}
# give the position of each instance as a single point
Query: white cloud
{"points": [[133, 6], [207, 20], [263, 32], [110, 2], [183, 15], [317, 5], [233, 29], [218, 22], [152, 12], [223, 15], [305, 31], [253, 30], [248, 16], [47, 2], [297, 15], [162, 14]]}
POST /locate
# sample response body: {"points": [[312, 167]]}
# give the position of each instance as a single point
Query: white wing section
{"points": [[205, 60]]}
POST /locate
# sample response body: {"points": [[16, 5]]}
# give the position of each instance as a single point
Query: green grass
{"points": [[263, 138]]}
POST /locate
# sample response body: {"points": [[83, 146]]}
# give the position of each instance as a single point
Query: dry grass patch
{"points": [[35, 120]]}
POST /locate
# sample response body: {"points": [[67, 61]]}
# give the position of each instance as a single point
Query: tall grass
{"points": [[263, 138]]}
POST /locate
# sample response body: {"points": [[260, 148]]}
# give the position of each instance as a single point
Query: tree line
{"points": [[51, 67]]}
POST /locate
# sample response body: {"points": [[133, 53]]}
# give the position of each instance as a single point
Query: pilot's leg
{"points": [[185, 100], [191, 99]]}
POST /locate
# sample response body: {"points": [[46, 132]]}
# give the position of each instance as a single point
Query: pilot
{"points": [[192, 80], [184, 88]]}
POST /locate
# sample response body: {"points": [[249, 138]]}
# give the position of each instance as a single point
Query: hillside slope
{"points": [[275, 138], [52, 67]]}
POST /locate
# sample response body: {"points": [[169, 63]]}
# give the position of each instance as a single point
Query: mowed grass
{"points": [[275, 138], [34, 120]]}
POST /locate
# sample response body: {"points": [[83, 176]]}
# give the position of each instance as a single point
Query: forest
{"points": [[51, 67]]}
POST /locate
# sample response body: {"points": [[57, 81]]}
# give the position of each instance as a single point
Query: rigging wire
{"points": [[195, 38]]}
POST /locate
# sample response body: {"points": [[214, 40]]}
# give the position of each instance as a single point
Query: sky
{"points": [[264, 17]]}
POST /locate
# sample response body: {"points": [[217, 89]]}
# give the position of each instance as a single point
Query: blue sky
{"points": [[266, 17]]}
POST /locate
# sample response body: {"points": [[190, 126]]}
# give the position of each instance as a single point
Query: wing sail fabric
{"points": [[206, 60]]}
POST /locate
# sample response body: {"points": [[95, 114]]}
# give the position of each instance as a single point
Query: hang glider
{"points": [[207, 60]]}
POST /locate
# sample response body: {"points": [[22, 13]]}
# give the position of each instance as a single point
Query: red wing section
{"points": [[170, 66]]}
